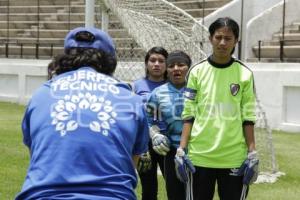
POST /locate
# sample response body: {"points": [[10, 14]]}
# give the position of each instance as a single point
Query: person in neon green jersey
{"points": [[219, 117]]}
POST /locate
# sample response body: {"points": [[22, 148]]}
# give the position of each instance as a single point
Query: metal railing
{"points": [[9, 40], [283, 32], [282, 40], [41, 50]]}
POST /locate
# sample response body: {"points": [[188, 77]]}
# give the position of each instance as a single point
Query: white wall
{"points": [[278, 89], [269, 22], [19, 78], [277, 86], [233, 9]]}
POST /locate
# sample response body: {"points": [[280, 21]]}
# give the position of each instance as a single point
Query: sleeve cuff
{"points": [[248, 123], [189, 120]]}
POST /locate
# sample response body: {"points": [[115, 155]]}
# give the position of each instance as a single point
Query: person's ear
{"points": [[236, 41]]}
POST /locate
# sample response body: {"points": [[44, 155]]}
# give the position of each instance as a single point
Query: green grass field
{"points": [[14, 160]]}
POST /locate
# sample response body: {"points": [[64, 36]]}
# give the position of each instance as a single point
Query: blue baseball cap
{"points": [[93, 38]]}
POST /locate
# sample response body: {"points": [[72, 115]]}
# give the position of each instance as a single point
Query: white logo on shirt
{"points": [[66, 113], [234, 172]]}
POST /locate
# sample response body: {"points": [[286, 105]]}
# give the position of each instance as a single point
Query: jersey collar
{"points": [[214, 64]]}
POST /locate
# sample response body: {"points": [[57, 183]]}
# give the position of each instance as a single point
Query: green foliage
{"points": [[15, 156]]}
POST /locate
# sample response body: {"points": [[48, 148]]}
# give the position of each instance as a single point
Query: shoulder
{"points": [[197, 66], [194, 70], [162, 88], [124, 88], [124, 94], [124, 85], [139, 82], [43, 90], [137, 85], [243, 66]]}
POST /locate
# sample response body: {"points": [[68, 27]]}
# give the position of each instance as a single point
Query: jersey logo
{"points": [[68, 114], [190, 93], [234, 89], [234, 172]]}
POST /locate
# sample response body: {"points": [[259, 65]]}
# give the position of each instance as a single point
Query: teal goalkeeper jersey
{"points": [[219, 99]]}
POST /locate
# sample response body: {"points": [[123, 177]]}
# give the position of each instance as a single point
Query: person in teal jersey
{"points": [[165, 106], [84, 129], [219, 117], [155, 66]]}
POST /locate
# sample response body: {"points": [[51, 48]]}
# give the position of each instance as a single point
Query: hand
{"points": [[249, 168], [144, 163], [161, 144], [183, 165]]}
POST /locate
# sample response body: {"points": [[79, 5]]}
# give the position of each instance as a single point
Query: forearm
{"points": [[249, 137], [185, 135]]}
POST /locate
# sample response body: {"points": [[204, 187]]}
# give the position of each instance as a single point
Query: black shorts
{"points": [[229, 184]]}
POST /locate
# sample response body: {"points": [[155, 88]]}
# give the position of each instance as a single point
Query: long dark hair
{"points": [[222, 22], [157, 50], [76, 58]]}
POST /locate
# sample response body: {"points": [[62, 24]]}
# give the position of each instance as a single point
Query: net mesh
{"points": [[160, 23], [152, 18], [264, 143]]}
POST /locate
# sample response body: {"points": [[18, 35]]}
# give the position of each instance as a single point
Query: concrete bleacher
{"points": [[270, 50], [56, 19], [199, 9], [20, 21], [23, 25]]}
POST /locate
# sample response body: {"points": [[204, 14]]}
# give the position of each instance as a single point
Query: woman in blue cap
{"points": [[84, 129]]}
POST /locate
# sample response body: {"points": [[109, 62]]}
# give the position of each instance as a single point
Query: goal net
{"points": [[264, 143], [160, 23], [155, 23]]}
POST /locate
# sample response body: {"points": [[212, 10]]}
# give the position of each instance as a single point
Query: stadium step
{"points": [[193, 4], [42, 9], [43, 16], [47, 51], [292, 51], [52, 24], [57, 17], [270, 50], [276, 60], [199, 9], [287, 36], [121, 42], [40, 2], [277, 42]]}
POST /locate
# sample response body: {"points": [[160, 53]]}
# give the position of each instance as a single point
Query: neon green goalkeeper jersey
{"points": [[219, 99]]}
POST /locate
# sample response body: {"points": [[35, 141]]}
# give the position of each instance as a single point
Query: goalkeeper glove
{"points": [[144, 163], [183, 166], [249, 168], [160, 142]]}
